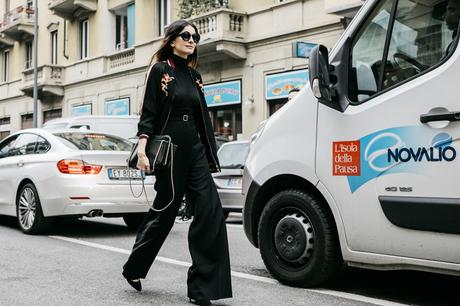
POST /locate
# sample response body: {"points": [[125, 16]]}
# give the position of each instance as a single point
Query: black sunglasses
{"points": [[186, 36]]}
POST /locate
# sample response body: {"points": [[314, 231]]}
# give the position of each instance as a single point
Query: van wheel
{"points": [[29, 211], [133, 221], [298, 239]]}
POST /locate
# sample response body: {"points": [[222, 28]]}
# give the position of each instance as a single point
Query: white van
{"points": [[362, 166], [123, 126]]}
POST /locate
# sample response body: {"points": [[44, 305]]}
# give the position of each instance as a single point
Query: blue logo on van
{"points": [[400, 150]]}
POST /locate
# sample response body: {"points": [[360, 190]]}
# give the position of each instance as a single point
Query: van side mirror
{"points": [[319, 73]]}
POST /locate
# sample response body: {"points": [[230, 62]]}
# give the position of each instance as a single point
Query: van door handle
{"points": [[20, 163], [447, 116]]}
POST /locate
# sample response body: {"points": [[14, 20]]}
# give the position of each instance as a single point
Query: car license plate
{"points": [[124, 174], [234, 182]]}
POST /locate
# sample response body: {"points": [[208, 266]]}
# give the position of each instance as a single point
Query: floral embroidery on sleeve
{"points": [[165, 82], [200, 84]]}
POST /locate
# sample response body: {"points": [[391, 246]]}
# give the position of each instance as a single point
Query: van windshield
{"points": [[93, 142]]}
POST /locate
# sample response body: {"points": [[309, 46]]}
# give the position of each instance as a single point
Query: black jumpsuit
{"points": [[209, 275]]}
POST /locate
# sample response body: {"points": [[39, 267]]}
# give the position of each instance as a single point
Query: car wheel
{"points": [[133, 221], [298, 239], [29, 211]]}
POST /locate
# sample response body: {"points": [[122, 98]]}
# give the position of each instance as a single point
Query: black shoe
{"points": [[136, 285], [200, 302]]}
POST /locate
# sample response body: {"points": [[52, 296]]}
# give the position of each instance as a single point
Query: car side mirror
{"points": [[319, 73]]}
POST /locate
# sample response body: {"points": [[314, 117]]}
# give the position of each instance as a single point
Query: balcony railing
{"points": [[69, 9], [222, 29], [50, 80], [216, 24], [119, 59], [18, 23]]}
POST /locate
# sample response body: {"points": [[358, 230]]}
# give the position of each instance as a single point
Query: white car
{"points": [[45, 174], [232, 156]]}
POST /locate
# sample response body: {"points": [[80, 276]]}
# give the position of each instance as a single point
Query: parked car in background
{"points": [[123, 126], [220, 140], [46, 174], [232, 156]]}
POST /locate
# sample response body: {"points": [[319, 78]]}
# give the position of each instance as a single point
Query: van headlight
{"points": [[257, 133]]}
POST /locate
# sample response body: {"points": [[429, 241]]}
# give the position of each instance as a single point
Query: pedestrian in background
{"points": [[174, 105]]}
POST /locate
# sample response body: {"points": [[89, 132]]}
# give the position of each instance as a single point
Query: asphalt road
{"points": [[79, 263]]}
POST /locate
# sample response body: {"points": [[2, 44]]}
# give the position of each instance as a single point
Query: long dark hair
{"points": [[166, 51]]}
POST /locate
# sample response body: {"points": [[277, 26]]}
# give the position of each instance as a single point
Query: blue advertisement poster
{"points": [[118, 107], [225, 93], [277, 86], [82, 110]]}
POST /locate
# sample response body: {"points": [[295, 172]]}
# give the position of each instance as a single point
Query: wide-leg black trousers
{"points": [[209, 275]]}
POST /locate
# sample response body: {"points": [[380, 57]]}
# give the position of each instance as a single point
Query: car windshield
{"points": [[233, 156], [93, 142]]}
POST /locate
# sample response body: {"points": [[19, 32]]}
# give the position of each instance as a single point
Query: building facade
{"points": [[93, 55]]}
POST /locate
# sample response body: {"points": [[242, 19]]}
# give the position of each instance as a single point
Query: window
{"points": [[4, 127], [5, 121], [93, 141], [233, 156], [27, 121], [4, 134], [43, 146], [227, 121], [131, 11], [165, 13], [422, 35], [52, 114], [25, 144], [6, 65], [54, 47], [84, 39], [7, 146], [121, 32], [28, 55]]}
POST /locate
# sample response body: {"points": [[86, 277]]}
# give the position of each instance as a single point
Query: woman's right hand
{"points": [[142, 160], [143, 163]]}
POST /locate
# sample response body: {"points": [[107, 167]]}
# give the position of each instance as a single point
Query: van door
{"points": [[394, 178]]}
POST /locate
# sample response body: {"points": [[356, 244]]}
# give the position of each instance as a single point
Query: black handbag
{"points": [[159, 150]]}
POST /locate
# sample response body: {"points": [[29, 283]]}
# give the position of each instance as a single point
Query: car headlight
{"points": [[257, 133]]}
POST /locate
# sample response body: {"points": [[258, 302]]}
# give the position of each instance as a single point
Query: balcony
{"points": [[223, 33], [71, 9], [50, 81], [18, 24], [345, 8], [114, 5], [5, 42], [121, 58]]}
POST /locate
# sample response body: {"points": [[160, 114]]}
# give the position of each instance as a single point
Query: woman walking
{"points": [[174, 105]]}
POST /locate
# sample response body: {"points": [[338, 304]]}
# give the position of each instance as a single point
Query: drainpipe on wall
{"points": [[65, 40]]}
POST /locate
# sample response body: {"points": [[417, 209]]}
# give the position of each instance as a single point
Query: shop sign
{"points": [[277, 86], [226, 93], [118, 107], [81, 110], [302, 49]]}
